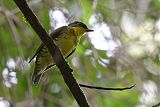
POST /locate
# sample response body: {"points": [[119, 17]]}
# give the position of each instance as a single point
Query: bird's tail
{"points": [[36, 78]]}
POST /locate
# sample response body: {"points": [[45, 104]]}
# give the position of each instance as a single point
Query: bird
{"points": [[66, 39]]}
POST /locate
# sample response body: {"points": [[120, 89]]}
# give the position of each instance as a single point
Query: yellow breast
{"points": [[67, 44]]}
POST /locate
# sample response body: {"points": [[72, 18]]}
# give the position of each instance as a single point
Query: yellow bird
{"points": [[66, 38]]}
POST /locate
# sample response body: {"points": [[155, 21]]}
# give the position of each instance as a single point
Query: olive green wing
{"points": [[50, 66], [58, 32], [40, 47], [40, 64], [55, 34]]}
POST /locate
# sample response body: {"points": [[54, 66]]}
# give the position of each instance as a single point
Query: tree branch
{"points": [[55, 52], [104, 88]]}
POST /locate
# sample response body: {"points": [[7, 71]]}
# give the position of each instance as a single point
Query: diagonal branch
{"points": [[104, 88], [55, 52]]}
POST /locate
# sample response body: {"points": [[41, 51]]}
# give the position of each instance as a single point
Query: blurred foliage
{"points": [[135, 29]]}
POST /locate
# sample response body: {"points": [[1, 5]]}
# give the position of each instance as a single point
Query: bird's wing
{"points": [[40, 47], [55, 34], [58, 32], [50, 66]]}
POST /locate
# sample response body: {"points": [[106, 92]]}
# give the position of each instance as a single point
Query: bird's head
{"points": [[80, 27]]}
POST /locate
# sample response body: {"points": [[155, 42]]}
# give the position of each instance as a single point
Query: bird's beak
{"points": [[89, 30]]}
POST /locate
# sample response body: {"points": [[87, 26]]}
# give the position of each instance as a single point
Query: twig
{"points": [[15, 34], [104, 88], [30, 3], [55, 52]]}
